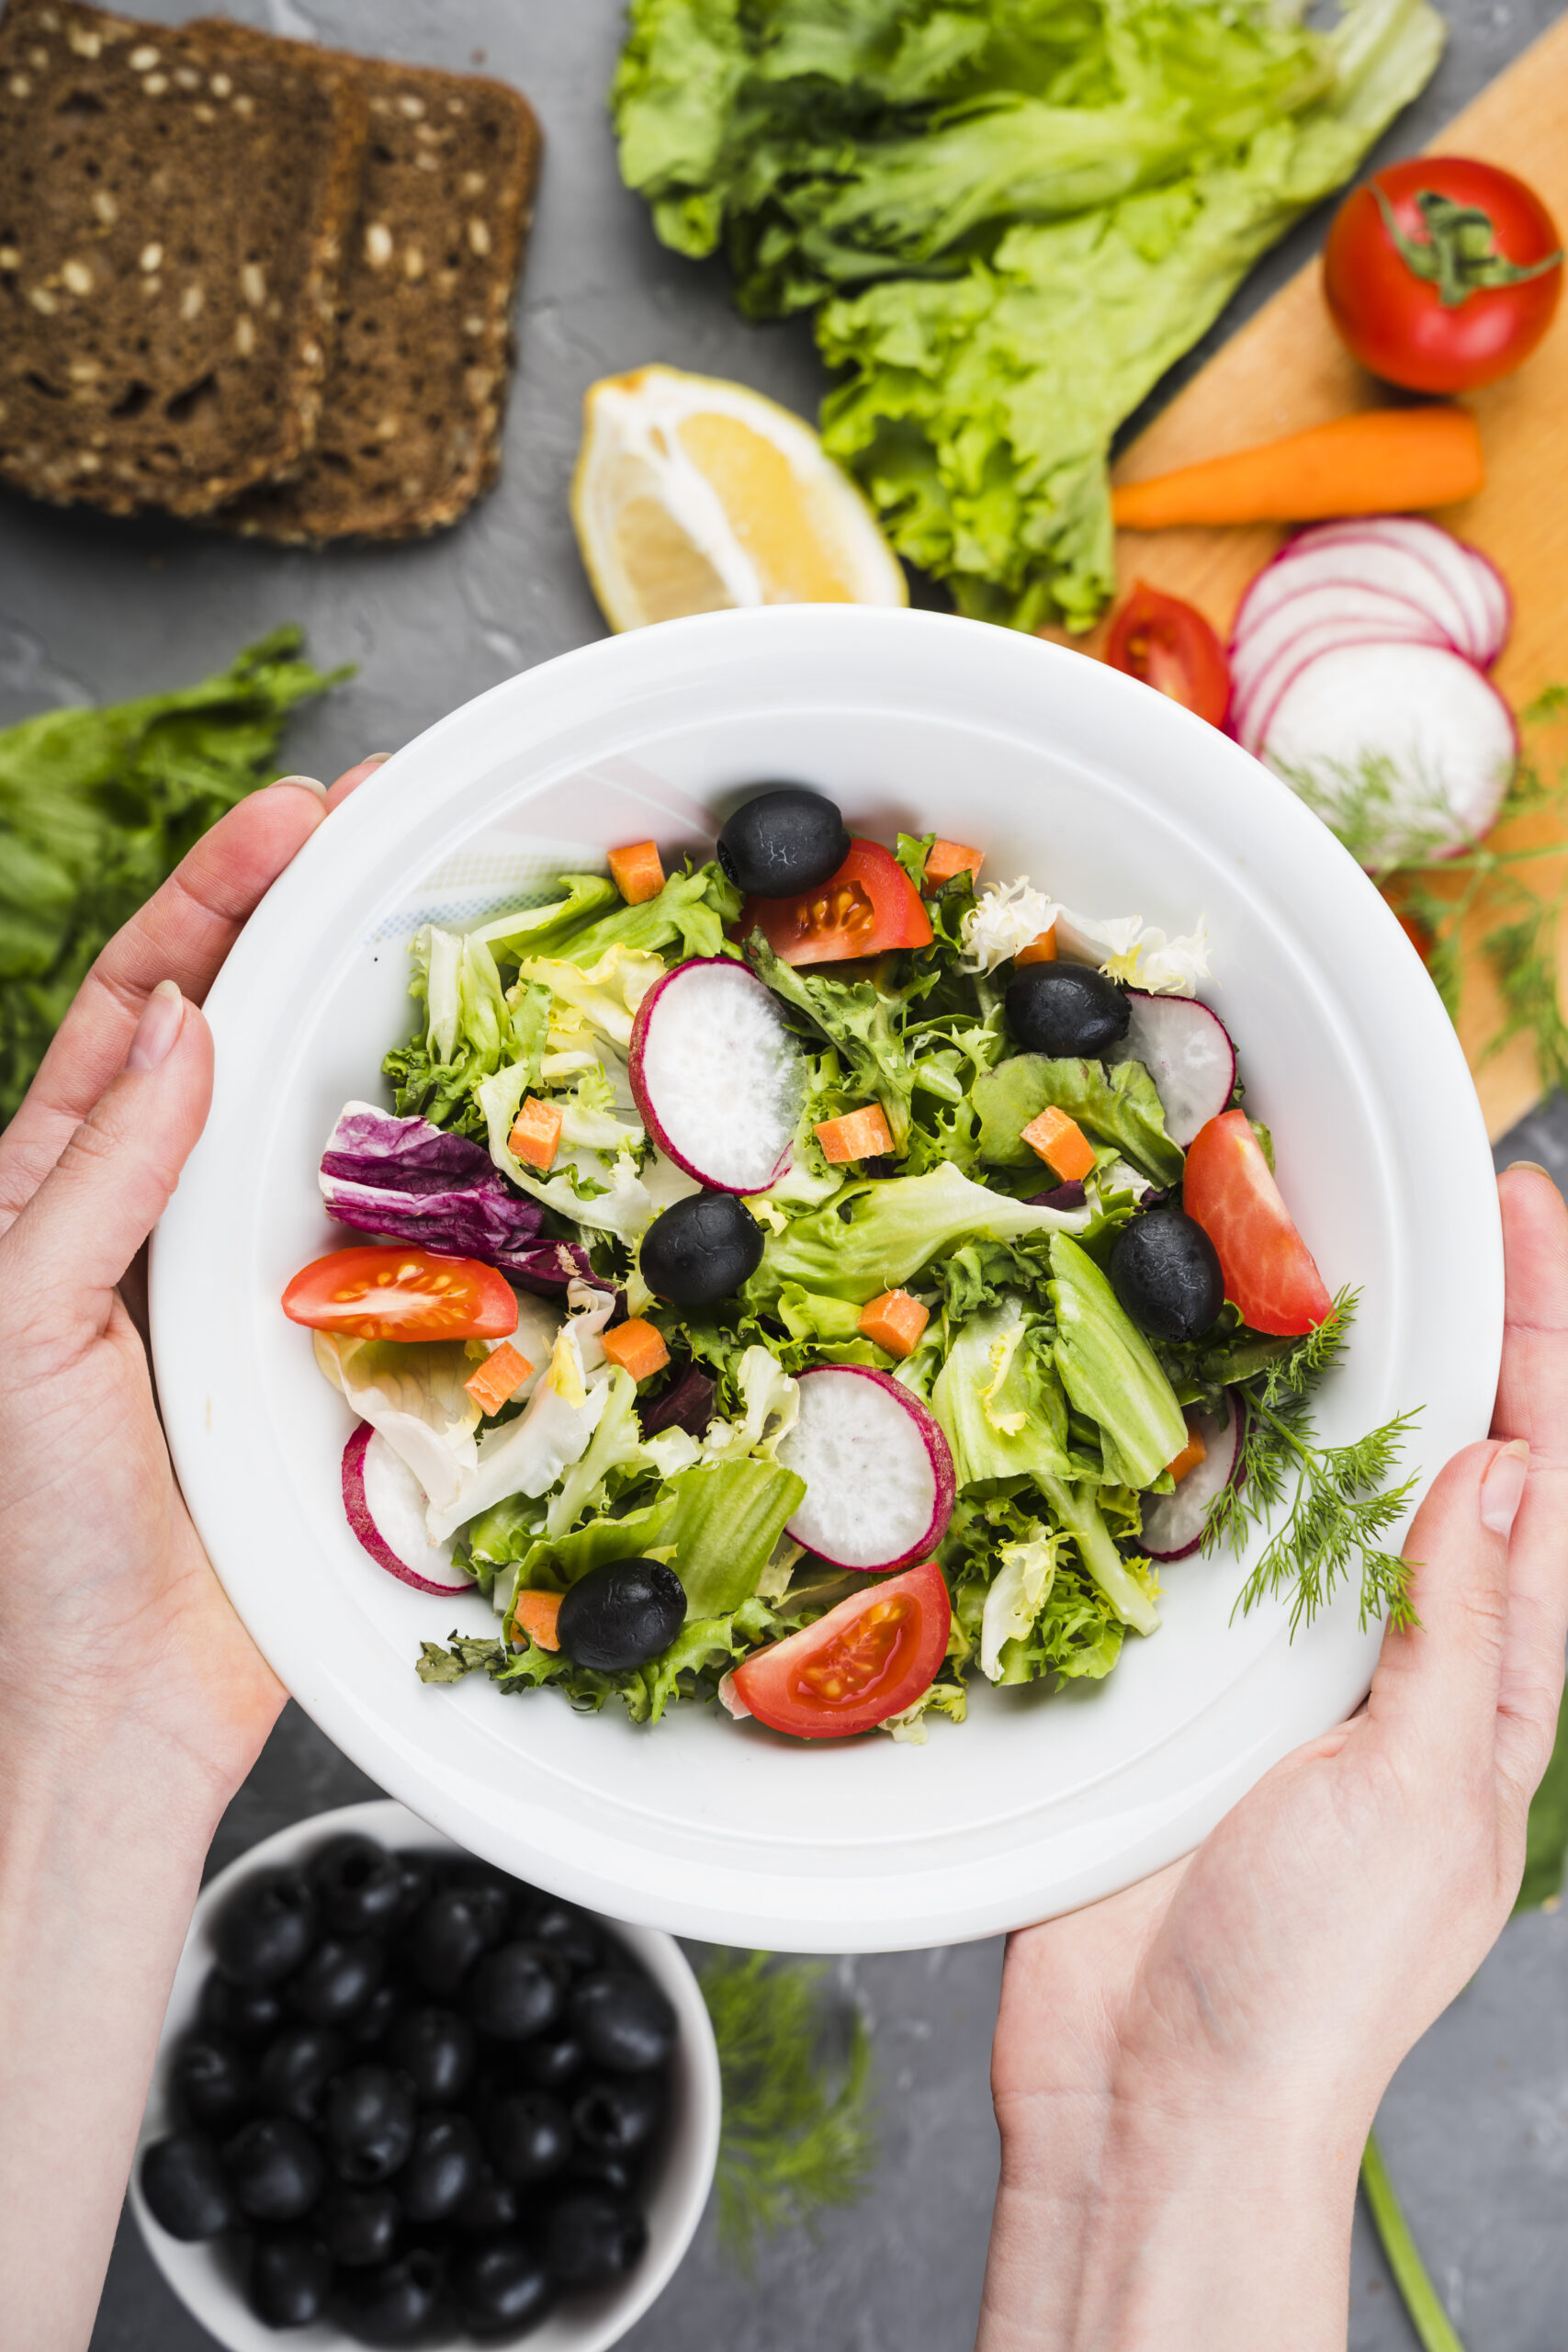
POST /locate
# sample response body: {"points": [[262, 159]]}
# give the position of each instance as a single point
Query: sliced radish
{"points": [[1187, 1051], [1409, 536], [1496, 597], [385, 1507], [878, 1475], [1354, 555], [1255, 704], [1441, 732], [1173, 1523], [1376, 612], [716, 1075]]}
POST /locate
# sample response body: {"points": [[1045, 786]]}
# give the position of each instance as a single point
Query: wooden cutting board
{"points": [[1286, 369]]}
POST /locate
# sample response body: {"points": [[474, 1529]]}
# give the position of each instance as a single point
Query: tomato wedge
{"points": [[1172, 647], [867, 1660], [869, 906], [1268, 1270], [395, 1294]]}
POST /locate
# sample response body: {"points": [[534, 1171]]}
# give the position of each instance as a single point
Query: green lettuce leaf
{"points": [[1117, 1102], [1111, 1372], [877, 1236], [717, 1525], [999, 1400]]}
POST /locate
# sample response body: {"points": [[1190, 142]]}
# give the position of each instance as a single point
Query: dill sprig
{"points": [[1338, 1500], [797, 2136]]}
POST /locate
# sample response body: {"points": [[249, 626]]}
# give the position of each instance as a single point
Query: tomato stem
{"points": [[1459, 254]]}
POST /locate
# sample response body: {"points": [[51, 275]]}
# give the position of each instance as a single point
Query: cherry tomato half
{"points": [[867, 1660], [1270, 1271], [395, 1294], [1172, 647], [1461, 287], [869, 906]]}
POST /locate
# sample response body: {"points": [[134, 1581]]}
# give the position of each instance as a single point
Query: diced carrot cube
{"points": [[895, 1321], [1191, 1453], [499, 1376], [535, 1613], [859, 1134], [536, 1133], [1060, 1144], [948, 858], [637, 872], [637, 1346], [1042, 950]]}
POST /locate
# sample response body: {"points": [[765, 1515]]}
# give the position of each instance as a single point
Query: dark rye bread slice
{"points": [[172, 206], [409, 431]]}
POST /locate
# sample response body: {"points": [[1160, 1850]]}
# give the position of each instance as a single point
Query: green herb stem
{"points": [[1428, 2316]]}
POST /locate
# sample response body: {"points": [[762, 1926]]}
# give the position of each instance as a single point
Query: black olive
{"points": [[788, 839], [592, 2237], [395, 2303], [528, 2135], [627, 2024], [1165, 1270], [435, 2050], [265, 1928], [549, 2064], [443, 2167], [701, 1249], [1066, 1009], [275, 2169], [337, 1980], [621, 1613], [592, 2167], [377, 2019], [290, 2279], [186, 2191], [213, 2082], [567, 1932], [296, 2068], [447, 1935], [359, 1885], [501, 2288], [619, 2117], [246, 2013], [492, 1894], [489, 2207], [418, 1877], [518, 1991], [369, 2124], [358, 2226]]}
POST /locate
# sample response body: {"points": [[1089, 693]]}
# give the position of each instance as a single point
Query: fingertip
{"points": [[351, 778]]}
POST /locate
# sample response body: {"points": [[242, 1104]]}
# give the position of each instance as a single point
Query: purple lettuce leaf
{"points": [[413, 1183]]}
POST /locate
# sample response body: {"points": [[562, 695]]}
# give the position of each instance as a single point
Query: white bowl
{"points": [[205, 2277], [1116, 800]]}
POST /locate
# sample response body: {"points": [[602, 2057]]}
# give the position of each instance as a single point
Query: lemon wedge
{"points": [[692, 495]]}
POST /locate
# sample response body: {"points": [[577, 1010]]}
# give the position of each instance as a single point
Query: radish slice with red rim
{"points": [[1362, 560], [1174, 1523], [1495, 596], [716, 1075], [1411, 535], [1376, 612], [1255, 701], [878, 1473], [386, 1506], [1187, 1051]]}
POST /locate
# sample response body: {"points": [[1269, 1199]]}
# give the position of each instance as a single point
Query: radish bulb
{"points": [[1173, 1523], [716, 1075], [386, 1506], [878, 1473]]}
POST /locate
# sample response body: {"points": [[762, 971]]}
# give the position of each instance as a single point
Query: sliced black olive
{"points": [[517, 1992], [501, 2288], [248, 2014], [369, 2123], [359, 1885], [358, 2226], [395, 2303], [435, 2050], [338, 1979], [788, 839], [701, 1249], [1066, 1011], [528, 2135], [265, 1928], [1165, 1270], [592, 2237], [213, 2081], [626, 2022], [296, 2069], [620, 1614], [289, 2280], [275, 2169], [186, 2187], [443, 2169], [447, 1935]]}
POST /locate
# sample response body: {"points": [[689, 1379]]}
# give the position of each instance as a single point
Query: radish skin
{"points": [[1438, 550], [385, 1505], [1187, 1051], [1173, 1523], [716, 1075], [1351, 555], [1257, 701], [878, 1472]]}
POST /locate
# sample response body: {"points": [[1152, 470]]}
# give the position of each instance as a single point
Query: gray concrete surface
{"points": [[1477, 2124]]}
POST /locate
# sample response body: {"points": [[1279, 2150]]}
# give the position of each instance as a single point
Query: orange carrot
{"points": [[948, 858], [1040, 950], [637, 1346], [535, 1133], [895, 1321], [859, 1134], [1191, 1453], [1060, 1144], [637, 872], [535, 1613], [499, 1376], [1381, 461]]}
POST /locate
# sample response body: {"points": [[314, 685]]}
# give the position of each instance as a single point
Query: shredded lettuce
{"points": [[884, 1232], [1116, 1102], [999, 1400]]}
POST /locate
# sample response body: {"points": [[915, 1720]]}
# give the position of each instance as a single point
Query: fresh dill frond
{"points": [[796, 2137], [1386, 818], [1524, 956], [1338, 1500]]}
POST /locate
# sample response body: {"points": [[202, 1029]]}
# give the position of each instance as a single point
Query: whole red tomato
{"points": [[1172, 647], [1442, 274]]}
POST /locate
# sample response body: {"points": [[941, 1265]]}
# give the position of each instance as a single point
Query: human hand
{"points": [[1185, 2075]]}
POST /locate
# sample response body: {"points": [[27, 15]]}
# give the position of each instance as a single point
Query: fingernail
{"points": [[373, 760], [306, 784], [158, 1027], [1503, 1487], [1534, 1165]]}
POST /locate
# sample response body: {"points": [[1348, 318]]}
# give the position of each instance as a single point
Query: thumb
{"points": [[74, 1241]]}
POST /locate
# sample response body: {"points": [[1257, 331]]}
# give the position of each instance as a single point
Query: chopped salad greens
{"points": [[816, 1282]]}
